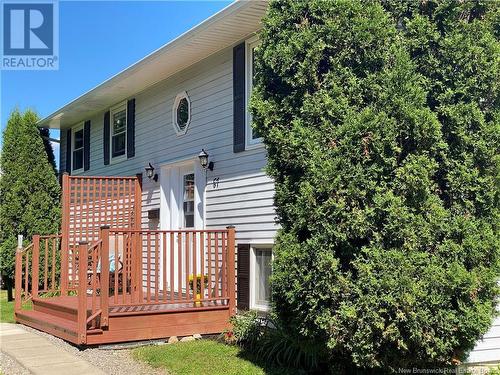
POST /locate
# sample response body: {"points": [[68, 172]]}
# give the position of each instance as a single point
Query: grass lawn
{"points": [[6, 308], [203, 357]]}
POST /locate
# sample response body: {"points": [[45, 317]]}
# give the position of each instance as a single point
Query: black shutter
{"points": [[68, 151], [243, 277], [239, 98], [86, 145], [106, 138], [131, 128]]}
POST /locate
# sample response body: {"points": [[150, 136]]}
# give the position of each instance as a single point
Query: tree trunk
{"points": [[9, 286]]}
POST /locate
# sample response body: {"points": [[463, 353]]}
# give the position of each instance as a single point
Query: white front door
{"points": [[181, 207]]}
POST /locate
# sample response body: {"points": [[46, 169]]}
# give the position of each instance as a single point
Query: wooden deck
{"points": [[104, 279], [59, 317]]}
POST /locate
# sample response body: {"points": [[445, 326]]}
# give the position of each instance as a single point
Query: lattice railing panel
{"points": [[92, 202]]}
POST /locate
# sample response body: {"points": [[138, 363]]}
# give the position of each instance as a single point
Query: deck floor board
{"points": [[71, 302]]}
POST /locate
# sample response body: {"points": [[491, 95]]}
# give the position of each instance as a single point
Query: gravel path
{"points": [[8, 366], [113, 362]]}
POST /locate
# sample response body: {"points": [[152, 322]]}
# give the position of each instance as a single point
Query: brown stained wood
{"points": [[82, 293], [56, 327], [46, 263], [186, 263], [164, 265], [157, 266], [117, 266], [35, 265], [148, 275], [46, 306], [231, 270], [195, 272], [202, 265], [93, 278], [53, 271], [26, 272], [224, 264], [104, 300], [209, 255], [216, 256], [65, 219], [117, 202]]}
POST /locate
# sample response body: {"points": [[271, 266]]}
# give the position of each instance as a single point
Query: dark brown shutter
{"points": [[86, 145], [243, 277], [106, 136], [131, 128], [239, 98], [68, 151]]}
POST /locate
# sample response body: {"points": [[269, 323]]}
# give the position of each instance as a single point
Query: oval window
{"points": [[181, 113]]}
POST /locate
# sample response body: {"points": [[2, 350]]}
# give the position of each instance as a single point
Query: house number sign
{"points": [[215, 182]]}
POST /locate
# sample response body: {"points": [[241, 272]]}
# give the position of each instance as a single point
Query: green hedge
{"points": [[381, 123]]}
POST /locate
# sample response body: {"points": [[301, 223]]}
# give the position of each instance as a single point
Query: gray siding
{"points": [[244, 197]]}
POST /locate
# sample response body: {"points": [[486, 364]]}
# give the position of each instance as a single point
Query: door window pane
{"points": [[262, 273], [188, 200]]}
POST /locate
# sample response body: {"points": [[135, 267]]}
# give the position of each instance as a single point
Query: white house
{"points": [[191, 95]]}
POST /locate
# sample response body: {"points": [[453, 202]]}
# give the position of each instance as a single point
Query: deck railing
{"points": [[182, 267], [38, 267], [127, 268]]}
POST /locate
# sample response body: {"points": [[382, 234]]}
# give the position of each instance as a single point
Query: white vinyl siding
{"points": [[487, 349], [244, 196]]}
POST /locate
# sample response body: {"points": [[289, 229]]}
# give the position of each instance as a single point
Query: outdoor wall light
{"points": [[205, 164], [150, 173]]}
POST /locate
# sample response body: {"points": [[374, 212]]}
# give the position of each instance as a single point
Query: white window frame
{"points": [[117, 108], [253, 286], [178, 98], [74, 129], [249, 45]]}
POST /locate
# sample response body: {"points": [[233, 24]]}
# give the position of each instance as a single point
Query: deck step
{"points": [[57, 326], [52, 307]]}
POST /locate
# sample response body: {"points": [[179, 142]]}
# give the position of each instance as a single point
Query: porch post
{"points": [[231, 267], [82, 292], [136, 252], [104, 282], [35, 265], [19, 274], [65, 233]]}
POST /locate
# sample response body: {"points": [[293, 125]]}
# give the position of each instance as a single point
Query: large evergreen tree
{"points": [[29, 190], [381, 122]]}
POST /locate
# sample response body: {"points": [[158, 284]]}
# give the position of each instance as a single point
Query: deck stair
{"points": [[52, 315]]}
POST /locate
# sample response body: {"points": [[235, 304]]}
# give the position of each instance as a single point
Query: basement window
{"points": [[260, 272]]}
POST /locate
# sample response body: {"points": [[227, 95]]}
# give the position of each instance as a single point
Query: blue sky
{"points": [[97, 39]]}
